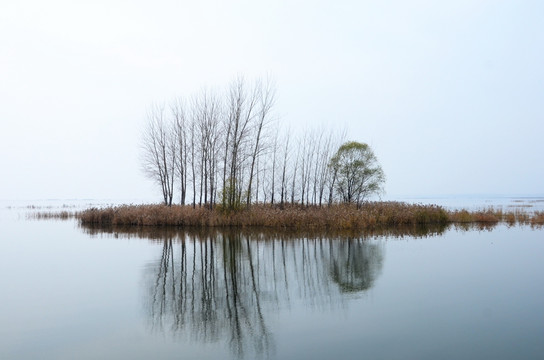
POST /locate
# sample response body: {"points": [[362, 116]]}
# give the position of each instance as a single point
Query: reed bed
{"points": [[494, 216], [51, 215], [374, 215], [370, 216], [537, 218]]}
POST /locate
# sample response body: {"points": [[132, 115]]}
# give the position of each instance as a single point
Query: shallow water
{"points": [[71, 292], [527, 203]]}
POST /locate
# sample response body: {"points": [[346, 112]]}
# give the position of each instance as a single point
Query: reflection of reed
{"points": [[213, 286], [164, 232]]}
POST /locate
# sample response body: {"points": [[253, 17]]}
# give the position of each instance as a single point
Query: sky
{"points": [[449, 94]]}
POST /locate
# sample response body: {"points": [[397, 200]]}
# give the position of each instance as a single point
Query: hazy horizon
{"points": [[448, 94], [466, 200]]}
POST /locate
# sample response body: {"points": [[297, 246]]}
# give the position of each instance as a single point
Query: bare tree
{"points": [[226, 128], [193, 150], [242, 109], [181, 138], [284, 179], [266, 95], [159, 148], [273, 166], [208, 109], [306, 152], [332, 173], [326, 147], [294, 176], [231, 145]]}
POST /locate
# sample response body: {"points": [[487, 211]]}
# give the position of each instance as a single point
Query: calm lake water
{"points": [[78, 293]]}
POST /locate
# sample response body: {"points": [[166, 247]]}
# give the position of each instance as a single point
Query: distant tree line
{"points": [[228, 149]]}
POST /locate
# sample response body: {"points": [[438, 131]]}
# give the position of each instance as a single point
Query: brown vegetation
{"points": [[49, 215], [537, 218], [493, 216], [337, 217], [372, 215], [258, 233]]}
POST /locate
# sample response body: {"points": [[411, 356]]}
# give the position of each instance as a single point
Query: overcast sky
{"points": [[450, 94]]}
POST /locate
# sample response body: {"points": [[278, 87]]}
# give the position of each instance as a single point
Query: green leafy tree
{"points": [[356, 173]]}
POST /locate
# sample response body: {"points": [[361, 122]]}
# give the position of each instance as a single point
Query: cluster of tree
{"points": [[228, 150]]}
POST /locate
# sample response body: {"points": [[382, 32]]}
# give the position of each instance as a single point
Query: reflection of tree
{"points": [[209, 290], [222, 285], [355, 264], [213, 286]]}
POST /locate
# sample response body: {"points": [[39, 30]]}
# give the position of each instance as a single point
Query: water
{"points": [[71, 292], [527, 203]]}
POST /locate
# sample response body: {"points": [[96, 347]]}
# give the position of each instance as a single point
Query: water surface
{"points": [[71, 292]]}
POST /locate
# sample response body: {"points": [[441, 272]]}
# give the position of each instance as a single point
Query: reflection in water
{"points": [[222, 286], [214, 286], [354, 265]]}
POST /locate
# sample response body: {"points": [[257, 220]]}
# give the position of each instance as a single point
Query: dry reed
{"points": [[372, 215], [50, 215], [338, 217]]}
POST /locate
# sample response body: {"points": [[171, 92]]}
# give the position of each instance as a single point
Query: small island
{"points": [[370, 216], [230, 163]]}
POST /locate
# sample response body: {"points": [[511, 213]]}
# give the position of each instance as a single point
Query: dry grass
{"points": [[50, 215], [495, 216], [371, 216], [478, 216], [537, 218]]}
